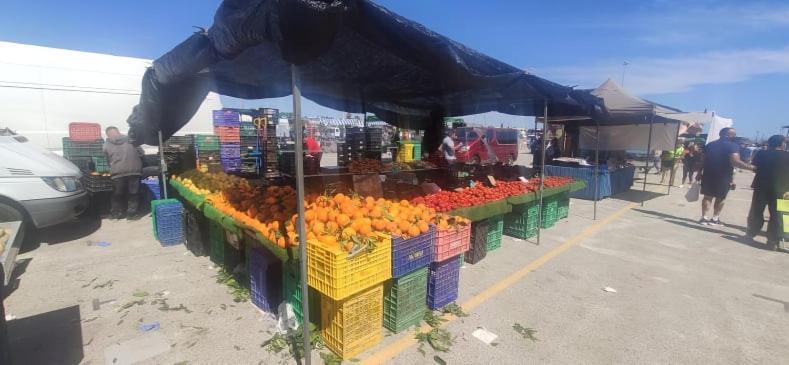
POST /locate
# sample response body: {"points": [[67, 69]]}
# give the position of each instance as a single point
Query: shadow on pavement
{"points": [[636, 196], [13, 282], [692, 223], [49, 338], [81, 226]]}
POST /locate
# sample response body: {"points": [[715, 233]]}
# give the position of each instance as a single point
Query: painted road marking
{"points": [[389, 352]]}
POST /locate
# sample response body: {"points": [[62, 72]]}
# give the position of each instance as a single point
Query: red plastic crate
{"points": [[228, 134], [84, 132], [451, 243]]}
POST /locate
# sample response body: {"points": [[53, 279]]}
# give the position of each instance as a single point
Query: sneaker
{"points": [[704, 221], [715, 222]]}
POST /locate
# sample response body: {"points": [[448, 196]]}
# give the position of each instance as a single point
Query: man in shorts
{"points": [[720, 159]]}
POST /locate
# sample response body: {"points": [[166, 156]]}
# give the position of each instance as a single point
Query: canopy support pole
{"points": [[672, 174], [649, 155], [300, 225], [162, 167], [596, 171], [542, 164]]}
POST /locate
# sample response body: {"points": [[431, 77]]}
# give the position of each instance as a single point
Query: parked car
{"points": [[471, 149], [37, 186]]}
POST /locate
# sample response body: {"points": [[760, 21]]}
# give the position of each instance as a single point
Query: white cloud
{"points": [[646, 76]]}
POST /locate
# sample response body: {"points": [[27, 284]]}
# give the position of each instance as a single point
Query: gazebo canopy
{"points": [[351, 55]]}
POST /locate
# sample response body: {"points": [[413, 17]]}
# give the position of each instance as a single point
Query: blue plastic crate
{"points": [[230, 151], [153, 186], [226, 118], [443, 281], [412, 253], [265, 279], [170, 230]]}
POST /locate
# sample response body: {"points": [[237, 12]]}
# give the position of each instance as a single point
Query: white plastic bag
{"points": [[693, 193]]}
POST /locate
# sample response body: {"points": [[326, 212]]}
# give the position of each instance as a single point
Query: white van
{"points": [[37, 186]]}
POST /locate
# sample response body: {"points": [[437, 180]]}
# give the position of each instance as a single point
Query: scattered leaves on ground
{"points": [[239, 293], [439, 360], [294, 342], [525, 332], [140, 294], [106, 284], [454, 309], [131, 304], [438, 338], [329, 358], [432, 319]]}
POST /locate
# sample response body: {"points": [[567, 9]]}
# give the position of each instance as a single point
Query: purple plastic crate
{"points": [[226, 118], [233, 164], [442, 283], [230, 151], [412, 253], [265, 279]]}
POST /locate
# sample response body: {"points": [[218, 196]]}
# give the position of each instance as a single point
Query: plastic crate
{"points": [[522, 221], [100, 164], [451, 243], [405, 300], [549, 212], [291, 293], [226, 118], [96, 183], [205, 142], [85, 132], [479, 243], [216, 240], [563, 208], [82, 163], [248, 129], [169, 221], [417, 154], [412, 253], [443, 282], [495, 230], [228, 134], [353, 325], [196, 232], [336, 275], [82, 148], [265, 279], [405, 153], [152, 183], [231, 164]]}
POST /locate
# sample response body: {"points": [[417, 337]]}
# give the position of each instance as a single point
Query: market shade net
{"points": [[352, 55]]}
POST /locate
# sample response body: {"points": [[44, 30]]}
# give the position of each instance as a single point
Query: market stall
{"points": [[335, 252]]}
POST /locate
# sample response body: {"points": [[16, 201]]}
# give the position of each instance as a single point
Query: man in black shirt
{"points": [[767, 189], [720, 159]]}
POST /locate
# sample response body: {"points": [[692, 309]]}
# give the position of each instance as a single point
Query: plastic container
{"points": [[549, 212], [206, 142], [216, 240], [265, 279], [405, 300], [291, 293], [450, 243], [563, 208], [405, 153], [336, 275], [479, 243], [248, 129], [522, 221], [100, 165], [196, 232], [231, 164], [442, 283], [169, 221], [226, 118], [228, 134], [84, 132], [229, 150], [152, 183], [353, 325], [96, 183], [412, 253], [82, 148], [417, 154], [495, 230]]}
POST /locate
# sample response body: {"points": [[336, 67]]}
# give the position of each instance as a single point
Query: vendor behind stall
{"points": [[125, 169]]}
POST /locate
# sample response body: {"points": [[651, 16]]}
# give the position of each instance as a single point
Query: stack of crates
{"points": [[265, 279], [353, 147], [291, 293], [405, 300], [563, 208], [179, 153], [354, 324], [417, 154], [227, 125], [373, 143], [478, 248], [207, 150], [168, 221], [405, 153], [87, 155], [268, 132], [216, 243], [495, 231], [443, 283], [522, 221], [550, 211]]}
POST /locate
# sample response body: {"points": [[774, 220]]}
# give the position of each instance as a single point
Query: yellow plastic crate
{"points": [[406, 152], [783, 205], [332, 273], [353, 325]]}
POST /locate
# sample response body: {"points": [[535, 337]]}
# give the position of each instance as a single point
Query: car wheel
{"points": [[10, 212]]}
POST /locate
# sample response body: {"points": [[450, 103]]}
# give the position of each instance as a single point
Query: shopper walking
{"points": [[767, 189], [125, 170], [690, 164], [720, 159]]}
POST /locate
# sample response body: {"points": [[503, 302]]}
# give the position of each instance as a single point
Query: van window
{"points": [[471, 136], [507, 137]]}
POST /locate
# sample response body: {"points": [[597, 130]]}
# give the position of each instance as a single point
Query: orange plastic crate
{"points": [[331, 272], [451, 243], [84, 132], [355, 324], [228, 134]]}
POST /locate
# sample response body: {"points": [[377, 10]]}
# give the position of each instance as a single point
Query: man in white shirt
{"points": [[448, 147]]}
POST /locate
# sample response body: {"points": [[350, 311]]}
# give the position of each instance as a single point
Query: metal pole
{"points": [[596, 170], [542, 165], [672, 174], [162, 167], [649, 154], [300, 225]]}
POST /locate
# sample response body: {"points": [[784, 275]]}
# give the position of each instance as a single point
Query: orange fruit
{"points": [[366, 230], [391, 227], [404, 226], [348, 232], [423, 226], [379, 224], [332, 227], [343, 220], [309, 216], [318, 228], [413, 231]]}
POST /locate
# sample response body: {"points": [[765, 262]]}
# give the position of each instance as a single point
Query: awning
{"points": [[352, 55]]}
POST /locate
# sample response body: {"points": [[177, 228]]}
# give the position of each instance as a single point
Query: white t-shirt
{"points": [[448, 146]]}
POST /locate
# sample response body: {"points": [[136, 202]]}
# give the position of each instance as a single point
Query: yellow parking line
{"points": [[407, 340]]}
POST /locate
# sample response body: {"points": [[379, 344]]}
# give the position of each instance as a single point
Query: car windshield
{"points": [[507, 137]]}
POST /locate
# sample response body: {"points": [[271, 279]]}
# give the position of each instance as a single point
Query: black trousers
{"points": [[125, 194], [761, 199]]}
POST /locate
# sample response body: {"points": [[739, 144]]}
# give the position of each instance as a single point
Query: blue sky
{"points": [[731, 57]]}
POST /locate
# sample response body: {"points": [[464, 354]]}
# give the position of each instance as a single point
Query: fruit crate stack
{"points": [[522, 221], [495, 230], [227, 125], [373, 143], [216, 242], [207, 151], [405, 300], [269, 137], [179, 153], [353, 325], [168, 221], [443, 282], [265, 279], [291, 292], [87, 155], [550, 214], [478, 248], [563, 207]]}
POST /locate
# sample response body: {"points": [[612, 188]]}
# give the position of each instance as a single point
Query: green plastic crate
{"points": [[550, 208], [522, 221], [207, 142], [82, 149], [495, 230], [417, 151], [563, 209], [216, 239], [405, 300], [101, 165], [291, 292]]}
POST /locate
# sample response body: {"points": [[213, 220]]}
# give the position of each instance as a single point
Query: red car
{"points": [[470, 148]]}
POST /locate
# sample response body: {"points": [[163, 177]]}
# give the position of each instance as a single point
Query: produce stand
{"points": [[609, 182]]}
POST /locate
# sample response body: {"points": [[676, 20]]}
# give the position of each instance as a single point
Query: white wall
{"points": [[43, 89]]}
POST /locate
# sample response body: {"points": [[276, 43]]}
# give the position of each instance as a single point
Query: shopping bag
{"points": [[693, 193]]}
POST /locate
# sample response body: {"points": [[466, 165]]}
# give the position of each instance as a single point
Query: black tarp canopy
{"points": [[352, 55]]}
